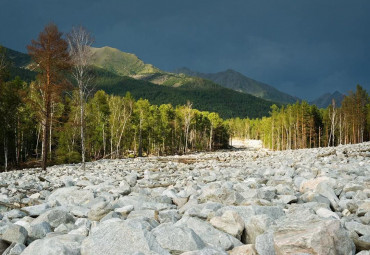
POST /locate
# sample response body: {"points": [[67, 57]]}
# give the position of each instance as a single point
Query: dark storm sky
{"points": [[303, 47]]}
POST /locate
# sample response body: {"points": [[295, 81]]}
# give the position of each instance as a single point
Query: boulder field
{"points": [[310, 201]]}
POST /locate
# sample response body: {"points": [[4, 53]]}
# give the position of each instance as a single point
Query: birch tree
{"points": [[80, 41]]}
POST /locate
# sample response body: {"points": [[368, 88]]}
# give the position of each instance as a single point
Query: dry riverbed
{"points": [[312, 201]]}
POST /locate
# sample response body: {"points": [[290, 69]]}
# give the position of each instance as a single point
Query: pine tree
{"points": [[50, 53]]}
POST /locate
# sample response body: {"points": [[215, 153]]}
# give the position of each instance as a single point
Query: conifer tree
{"points": [[50, 53]]}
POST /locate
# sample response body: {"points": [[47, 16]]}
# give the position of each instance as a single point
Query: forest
{"points": [[300, 125], [59, 117]]}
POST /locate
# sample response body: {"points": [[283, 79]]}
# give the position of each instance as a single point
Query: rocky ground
{"points": [[314, 201]]}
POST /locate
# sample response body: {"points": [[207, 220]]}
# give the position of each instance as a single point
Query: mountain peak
{"points": [[119, 62], [326, 99]]}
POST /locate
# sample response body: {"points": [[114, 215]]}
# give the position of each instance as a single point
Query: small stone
{"points": [[346, 212]]}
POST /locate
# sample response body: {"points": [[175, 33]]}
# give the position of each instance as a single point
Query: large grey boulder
{"points": [[142, 203], [230, 222], [206, 251], [14, 214], [358, 228], [36, 210], [111, 238], [265, 244], [70, 196], [204, 211], [14, 249], [177, 238], [326, 191], [132, 179], [15, 234], [39, 230], [99, 210], [124, 188], [225, 195], [256, 225], [325, 213], [209, 234], [55, 217], [315, 235], [167, 216], [56, 245]]}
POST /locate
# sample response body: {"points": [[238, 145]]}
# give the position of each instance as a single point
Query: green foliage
{"points": [[238, 82], [205, 95], [303, 126], [120, 63], [112, 69]]}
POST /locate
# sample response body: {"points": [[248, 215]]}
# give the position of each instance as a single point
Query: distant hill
{"points": [[175, 88], [204, 94], [127, 64], [18, 59], [19, 65], [119, 72], [239, 82], [326, 99], [121, 63]]}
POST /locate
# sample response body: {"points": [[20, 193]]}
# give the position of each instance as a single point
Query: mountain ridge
{"points": [[127, 73], [325, 100], [237, 81]]}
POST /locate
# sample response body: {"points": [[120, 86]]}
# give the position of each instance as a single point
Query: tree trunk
{"points": [[51, 127], [104, 142], [5, 152], [37, 142], [82, 113], [140, 140], [45, 139]]}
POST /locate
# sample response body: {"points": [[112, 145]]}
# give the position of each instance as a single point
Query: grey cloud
{"points": [[304, 48]]}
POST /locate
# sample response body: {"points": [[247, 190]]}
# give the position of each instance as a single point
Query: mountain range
{"points": [[239, 82], [118, 72], [229, 93], [326, 99]]}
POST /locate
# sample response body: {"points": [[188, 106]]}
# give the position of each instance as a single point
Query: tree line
{"points": [[301, 125], [58, 119]]}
